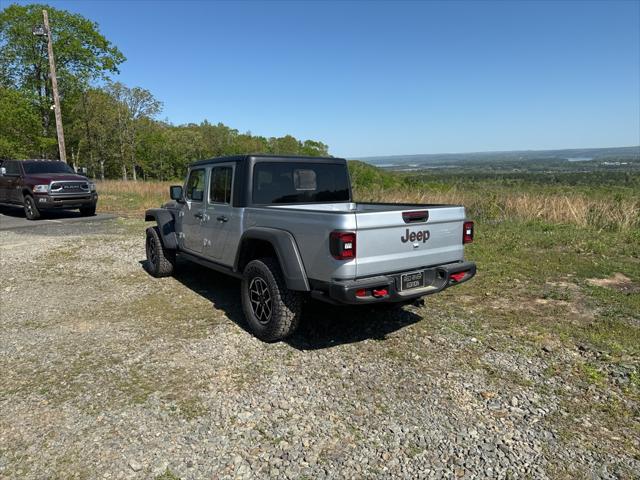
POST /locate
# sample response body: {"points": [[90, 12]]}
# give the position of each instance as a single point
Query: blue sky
{"points": [[377, 78]]}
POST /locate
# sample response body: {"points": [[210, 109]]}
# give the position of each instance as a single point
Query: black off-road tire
{"points": [[286, 305], [30, 208], [160, 260], [88, 211]]}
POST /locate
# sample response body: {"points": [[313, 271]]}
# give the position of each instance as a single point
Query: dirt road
{"points": [[110, 373]]}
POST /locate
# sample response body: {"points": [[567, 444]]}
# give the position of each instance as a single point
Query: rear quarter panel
{"points": [[310, 230]]}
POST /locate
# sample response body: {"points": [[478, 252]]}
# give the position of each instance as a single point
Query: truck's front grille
{"points": [[69, 187]]}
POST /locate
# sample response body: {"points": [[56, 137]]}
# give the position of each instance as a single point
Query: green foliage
{"points": [[19, 126], [113, 129], [82, 54], [365, 176]]}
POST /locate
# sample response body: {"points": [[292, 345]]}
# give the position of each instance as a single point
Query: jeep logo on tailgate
{"points": [[421, 236]]}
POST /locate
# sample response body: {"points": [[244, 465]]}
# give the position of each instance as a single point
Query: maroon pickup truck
{"points": [[39, 185]]}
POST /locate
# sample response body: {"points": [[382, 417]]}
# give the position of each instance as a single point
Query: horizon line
{"points": [[489, 151]]}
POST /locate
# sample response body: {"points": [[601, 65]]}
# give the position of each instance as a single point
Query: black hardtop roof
{"points": [[242, 158]]}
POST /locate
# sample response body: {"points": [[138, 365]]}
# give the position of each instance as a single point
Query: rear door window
{"points": [[12, 167], [220, 185], [195, 185]]}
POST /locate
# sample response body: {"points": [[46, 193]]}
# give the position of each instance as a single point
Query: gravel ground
{"points": [[110, 373]]}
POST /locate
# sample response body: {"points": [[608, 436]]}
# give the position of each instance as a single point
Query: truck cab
{"points": [[40, 185]]}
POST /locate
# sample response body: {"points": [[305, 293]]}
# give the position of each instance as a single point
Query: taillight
{"points": [[343, 245], [467, 232]]}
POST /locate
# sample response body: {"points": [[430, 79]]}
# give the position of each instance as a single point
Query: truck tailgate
{"points": [[387, 243]]}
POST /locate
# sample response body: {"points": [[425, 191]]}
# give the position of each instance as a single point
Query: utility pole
{"points": [[54, 88]]}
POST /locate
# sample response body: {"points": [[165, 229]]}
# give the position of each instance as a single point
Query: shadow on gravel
{"points": [[18, 212], [325, 326], [322, 326]]}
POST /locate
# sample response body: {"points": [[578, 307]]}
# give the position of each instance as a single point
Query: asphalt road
{"points": [[12, 218]]}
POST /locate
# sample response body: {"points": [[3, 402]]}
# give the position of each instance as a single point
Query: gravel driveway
{"points": [[107, 372]]}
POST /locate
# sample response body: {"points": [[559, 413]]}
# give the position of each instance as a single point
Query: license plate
{"points": [[412, 280]]}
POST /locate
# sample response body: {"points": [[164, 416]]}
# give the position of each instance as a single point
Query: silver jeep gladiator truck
{"points": [[289, 228]]}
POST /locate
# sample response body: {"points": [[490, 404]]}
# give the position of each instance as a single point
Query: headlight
{"points": [[92, 187], [41, 188]]}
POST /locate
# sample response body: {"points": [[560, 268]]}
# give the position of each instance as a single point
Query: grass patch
{"points": [[167, 475], [592, 374], [131, 198], [191, 408]]}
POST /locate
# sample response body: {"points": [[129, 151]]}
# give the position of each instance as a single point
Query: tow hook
{"points": [[456, 277], [380, 292]]}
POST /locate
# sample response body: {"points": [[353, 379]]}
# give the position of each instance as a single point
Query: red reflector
{"points": [[457, 276], [467, 232], [380, 292], [361, 293]]}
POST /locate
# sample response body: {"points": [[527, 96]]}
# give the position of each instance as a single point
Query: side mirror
{"points": [[3, 171], [175, 192]]}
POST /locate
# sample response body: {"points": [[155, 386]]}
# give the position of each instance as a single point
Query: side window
{"points": [[195, 185], [12, 167], [220, 189]]}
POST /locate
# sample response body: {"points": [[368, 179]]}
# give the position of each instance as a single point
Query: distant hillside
{"points": [[568, 160], [439, 159]]}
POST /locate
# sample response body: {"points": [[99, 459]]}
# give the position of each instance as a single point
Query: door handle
{"points": [[198, 215], [222, 219]]}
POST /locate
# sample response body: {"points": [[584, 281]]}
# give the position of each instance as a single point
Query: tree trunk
{"points": [[124, 172], [101, 169], [74, 164]]}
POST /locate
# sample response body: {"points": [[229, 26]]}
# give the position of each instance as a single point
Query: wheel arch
{"points": [[166, 225], [261, 242]]}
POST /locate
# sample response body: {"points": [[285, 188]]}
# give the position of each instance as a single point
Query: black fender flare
{"points": [[166, 224], [24, 191], [286, 250]]}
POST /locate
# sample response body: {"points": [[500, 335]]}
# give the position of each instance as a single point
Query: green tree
{"points": [[287, 145], [93, 131], [19, 127], [82, 54], [134, 104], [314, 149]]}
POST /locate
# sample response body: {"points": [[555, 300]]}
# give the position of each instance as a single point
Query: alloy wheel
{"points": [[260, 299], [29, 207]]}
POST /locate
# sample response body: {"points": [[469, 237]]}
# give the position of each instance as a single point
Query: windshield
{"points": [[46, 167], [300, 182]]}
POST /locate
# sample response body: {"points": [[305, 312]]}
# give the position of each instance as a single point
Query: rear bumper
{"points": [[46, 202], [436, 279]]}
